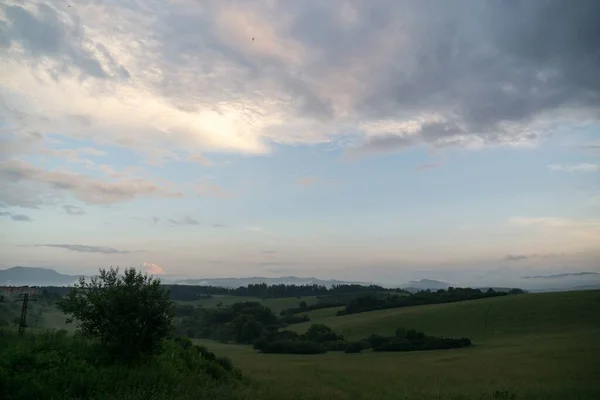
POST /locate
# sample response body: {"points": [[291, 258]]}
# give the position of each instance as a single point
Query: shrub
{"points": [[57, 366], [292, 347], [130, 313], [354, 347], [320, 333]]}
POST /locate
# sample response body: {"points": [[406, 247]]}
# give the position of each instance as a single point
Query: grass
{"points": [[534, 346], [538, 346], [274, 304]]}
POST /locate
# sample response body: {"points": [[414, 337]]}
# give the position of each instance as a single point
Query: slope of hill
{"points": [[477, 319], [531, 346], [31, 276]]}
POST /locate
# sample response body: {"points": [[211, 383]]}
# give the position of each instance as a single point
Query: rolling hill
{"points": [[478, 319]]}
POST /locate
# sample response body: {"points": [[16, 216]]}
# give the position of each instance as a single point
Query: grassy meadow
{"points": [[536, 346], [532, 346]]}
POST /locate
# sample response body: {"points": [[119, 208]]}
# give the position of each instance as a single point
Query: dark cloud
{"points": [[47, 32], [81, 248], [73, 210], [488, 69], [493, 72], [384, 144], [16, 217]]}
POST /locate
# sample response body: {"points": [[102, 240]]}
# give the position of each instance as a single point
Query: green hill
{"points": [[479, 320], [536, 346]]}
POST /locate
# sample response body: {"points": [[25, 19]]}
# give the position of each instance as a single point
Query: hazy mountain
{"points": [[424, 284], [31, 276], [561, 276], [286, 280]]}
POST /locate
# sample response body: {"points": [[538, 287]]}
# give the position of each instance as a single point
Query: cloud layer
{"points": [[85, 188], [238, 76], [82, 248]]}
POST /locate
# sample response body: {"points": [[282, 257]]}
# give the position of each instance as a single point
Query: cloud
{"points": [[188, 77], [211, 189], [81, 248], [516, 257], [85, 188], [579, 234], [425, 167], [583, 167], [153, 269], [592, 147], [307, 181], [16, 217], [183, 221], [73, 210]]}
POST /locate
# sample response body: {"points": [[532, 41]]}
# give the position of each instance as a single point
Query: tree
{"points": [[303, 305], [320, 333], [251, 331], [401, 333], [130, 313]]}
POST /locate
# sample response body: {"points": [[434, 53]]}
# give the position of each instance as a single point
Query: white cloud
{"points": [[583, 167], [85, 188], [564, 234], [153, 269]]}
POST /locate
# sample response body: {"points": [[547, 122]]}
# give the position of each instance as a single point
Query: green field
{"points": [[533, 346], [274, 304], [536, 346]]}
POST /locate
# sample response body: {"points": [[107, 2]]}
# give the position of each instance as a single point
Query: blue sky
{"points": [[357, 140]]}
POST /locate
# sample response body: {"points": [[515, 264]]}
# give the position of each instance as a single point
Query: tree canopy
{"points": [[130, 313]]}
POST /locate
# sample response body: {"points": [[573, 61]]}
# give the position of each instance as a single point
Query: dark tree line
{"points": [[242, 322], [374, 302], [303, 307], [262, 290]]}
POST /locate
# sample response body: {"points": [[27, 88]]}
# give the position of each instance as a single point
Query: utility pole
{"points": [[23, 320]]}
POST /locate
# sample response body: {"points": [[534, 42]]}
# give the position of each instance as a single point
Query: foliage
{"points": [[354, 347], [317, 340], [289, 319], [374, 302], [413, 340], [242, 322], [289, 347], [303, 307], [59, 366], [130, 313], [320, 333]]}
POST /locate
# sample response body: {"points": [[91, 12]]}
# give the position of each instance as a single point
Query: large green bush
{"points": [[130, 314]]}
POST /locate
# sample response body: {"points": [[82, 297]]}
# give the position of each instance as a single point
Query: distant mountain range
{"points": [[425, 284], [559, 276], [286, 280], [31, 276]]}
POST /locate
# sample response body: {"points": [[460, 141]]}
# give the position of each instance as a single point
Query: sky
{"points": [[361, 140]]}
